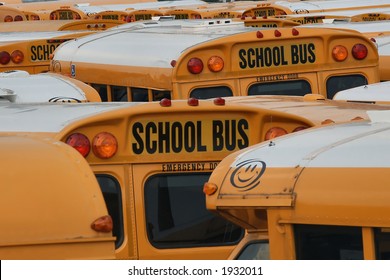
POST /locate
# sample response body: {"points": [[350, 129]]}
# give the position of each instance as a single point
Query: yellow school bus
{"points": [[31, 51], [59, 25], [9, 14], [151, 161], [214, 58], [312, 191], [52, 204], [22, 87]]}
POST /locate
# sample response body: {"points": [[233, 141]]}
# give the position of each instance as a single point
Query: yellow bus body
{"points": [[292, 61], [31, 51], [50, 198], [59, 25], [153, 182], [313, 191], [9, 14]]}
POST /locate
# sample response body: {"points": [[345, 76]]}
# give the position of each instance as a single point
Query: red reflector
{"points": [[193, 101], [373, 40], [219, 101], [173, 63], [195, 65], [165, 102], [295, 32], [259, 35], [4, 57], [359, 51], [80, 142], [277, 33], [103, 224]]}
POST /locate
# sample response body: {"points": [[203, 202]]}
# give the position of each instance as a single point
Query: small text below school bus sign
{"points": [[261, 56], [188, 137]]}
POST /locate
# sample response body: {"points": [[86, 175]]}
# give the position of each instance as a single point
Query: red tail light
{"points": [[359, 51], [80, 142], [4, 57], [195, 65]]}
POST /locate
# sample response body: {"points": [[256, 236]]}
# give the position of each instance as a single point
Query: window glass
{"points": [[382, 242], [119, 93], [338, 83], [295, 88], [102, 90], [112, 196], [314, 242], [160, 94], [176, 213], [139, 94], [211, 92], [255, 251]]}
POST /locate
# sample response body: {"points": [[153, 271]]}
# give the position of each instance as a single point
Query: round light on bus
{"points": [[209, 188], [103, 224], [339, 53], [17, 57], [8, 18], [275, 132], [80, 142], [215, 64], [193, 101], [104, 145], [165, 102], [4, 57], [195, 65], [18, 18], [359, 51]]}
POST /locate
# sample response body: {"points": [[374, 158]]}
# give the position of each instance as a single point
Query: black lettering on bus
{"points": [[230, 135], [303, 53], [268, 57], [241, 128], [241, 54], [138, 147], [163, 137], [200, 146], [42, 52], [176, 137], [151, 146], [189, 137]]}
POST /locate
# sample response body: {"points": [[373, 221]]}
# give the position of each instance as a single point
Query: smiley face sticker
{"points": [[247, 174]]}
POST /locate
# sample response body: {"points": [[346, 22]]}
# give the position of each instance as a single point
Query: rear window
{"points": [[338, 83], [294, 88]]}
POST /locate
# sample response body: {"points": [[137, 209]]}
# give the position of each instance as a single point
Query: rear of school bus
{"points": [[51, 203], [152, 160], [31, 51], [313, 191]]}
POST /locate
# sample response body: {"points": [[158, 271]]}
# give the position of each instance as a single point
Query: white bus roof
{"points": [[363, 27], [51, 117], [6, 37], [353, 144], [148, 42], [378, 92], [21, 87]]}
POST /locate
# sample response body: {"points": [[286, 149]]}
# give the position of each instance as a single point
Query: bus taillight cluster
{"points": [[16, 57], [104, 145], [214, 64], [9, 18], [340, 53]]}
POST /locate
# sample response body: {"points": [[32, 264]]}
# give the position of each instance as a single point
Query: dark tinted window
{"points": [[102, 90], [295, 88], [382, 242], [113, 198], [176, 213], [119, 93], [211, 92], [139, 94], [314, 242], [160, 94], [337, 83]]}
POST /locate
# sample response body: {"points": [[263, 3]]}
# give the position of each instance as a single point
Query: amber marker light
{"points": [[209, 188], [17, 57], [8, 18], [215, 64], [274, 132], [103, 224], [339, 53], [80, 142], [104, 145]]}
